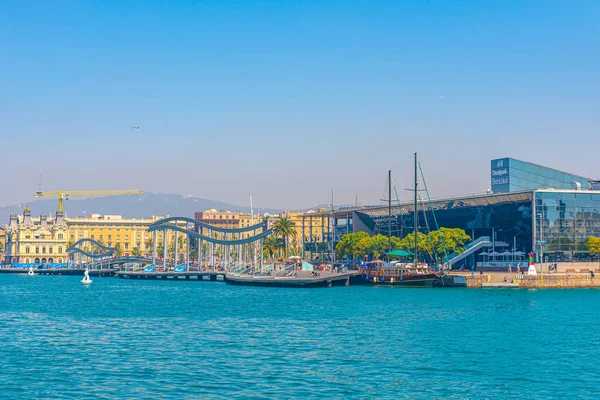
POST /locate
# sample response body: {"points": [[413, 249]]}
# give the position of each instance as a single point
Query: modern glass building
{"points": [[563, 221], [511, 175], [532, 209]]}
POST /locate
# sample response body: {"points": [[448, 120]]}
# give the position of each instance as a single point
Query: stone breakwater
{"points": [[556, 281]]}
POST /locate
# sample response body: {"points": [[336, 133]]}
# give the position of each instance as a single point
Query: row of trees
{"points": [[435, 246]]}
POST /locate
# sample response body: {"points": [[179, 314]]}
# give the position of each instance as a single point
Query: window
{"points": [[80, 236], [72, 236], [126, 237], [109, 237], [118, 237], [126, 246], [37, 250], [60, 235], [50, 249], [60, 249], [91, 236], [27, 249], [27, 236], [101, 237], [43, 250]]}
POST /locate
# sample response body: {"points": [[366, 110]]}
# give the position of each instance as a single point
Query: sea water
{"points": [[182, 339]]}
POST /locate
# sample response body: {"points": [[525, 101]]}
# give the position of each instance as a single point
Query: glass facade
{"points": [[564, 220], [510, 175], [506, 217]]}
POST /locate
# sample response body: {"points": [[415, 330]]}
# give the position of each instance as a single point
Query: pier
{"points": [[211, 276], [300, 279]]}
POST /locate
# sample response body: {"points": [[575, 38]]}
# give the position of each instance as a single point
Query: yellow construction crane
{"points": [[65, 194]]}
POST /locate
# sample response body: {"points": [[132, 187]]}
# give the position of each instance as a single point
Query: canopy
{"points": [[400, 253], [306, 266], [484, 253], [180, 268]]}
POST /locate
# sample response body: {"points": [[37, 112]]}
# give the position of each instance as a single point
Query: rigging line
{"points": [[402, 162], [433, 213], [401, 233]]}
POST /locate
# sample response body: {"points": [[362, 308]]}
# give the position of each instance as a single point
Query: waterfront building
{"points": [[316, 228], [43, 239], [219, 218], [545, 218], [129, 235], [2, 243], [512, 175], [36, 240]]}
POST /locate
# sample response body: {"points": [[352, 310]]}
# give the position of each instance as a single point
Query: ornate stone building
{"points": [[36, 240]]}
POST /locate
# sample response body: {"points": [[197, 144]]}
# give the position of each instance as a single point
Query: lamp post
{"points": [[541, 243]]}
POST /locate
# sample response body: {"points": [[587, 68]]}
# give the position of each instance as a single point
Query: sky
{"points": [[287, 101]]}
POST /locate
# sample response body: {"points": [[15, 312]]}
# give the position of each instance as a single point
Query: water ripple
{"points": [[128, 339]]}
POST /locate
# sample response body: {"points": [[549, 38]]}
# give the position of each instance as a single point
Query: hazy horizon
{"points": [[289, 101]]}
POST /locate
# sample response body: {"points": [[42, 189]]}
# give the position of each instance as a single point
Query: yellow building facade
{"points": [[35, 240], [45, 240]]}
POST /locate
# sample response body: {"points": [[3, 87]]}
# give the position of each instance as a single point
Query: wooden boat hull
{"points": [[420, 280]]}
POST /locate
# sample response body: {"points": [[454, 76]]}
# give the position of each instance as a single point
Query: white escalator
{"points": [[477, 244]]}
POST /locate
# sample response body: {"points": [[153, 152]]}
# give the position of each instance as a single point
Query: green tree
{"points": [[270, 246], [374, 246], [118, 250], [135, 251], [194, 254], [593, 245], [346, 247], [408, 243], [285, 228], [148, 243], [452, 240]]}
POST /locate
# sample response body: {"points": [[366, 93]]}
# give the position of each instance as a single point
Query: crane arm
{"points": [[86, 193], [61, 194]]}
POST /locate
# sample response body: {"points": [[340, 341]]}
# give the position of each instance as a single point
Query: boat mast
{"points": [[389, 211], [416, 213]]}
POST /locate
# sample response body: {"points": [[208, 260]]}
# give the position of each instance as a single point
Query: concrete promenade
{"points": [[561, 279]]}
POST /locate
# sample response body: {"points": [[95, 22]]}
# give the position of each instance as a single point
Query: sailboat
{"points": [[401, 273]]}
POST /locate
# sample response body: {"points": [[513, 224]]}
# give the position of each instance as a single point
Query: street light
{"points": [[541, 243]]}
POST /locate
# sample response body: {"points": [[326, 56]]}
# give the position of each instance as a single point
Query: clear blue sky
{"points": [[301, 96]]}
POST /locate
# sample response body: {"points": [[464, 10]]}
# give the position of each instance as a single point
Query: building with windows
{"points": [[511, 175], [129, 235], [36, 240], [530, 209], [315, 228], [45, 240]]}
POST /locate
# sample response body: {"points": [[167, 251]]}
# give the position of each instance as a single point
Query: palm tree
{"points": [[284, 228], [270, 246]]}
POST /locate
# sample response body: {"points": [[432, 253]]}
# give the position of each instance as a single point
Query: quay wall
{"points": [[554, 280], [560, 281]]}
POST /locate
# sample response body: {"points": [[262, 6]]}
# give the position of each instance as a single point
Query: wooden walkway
{"points": [[210, 276]]}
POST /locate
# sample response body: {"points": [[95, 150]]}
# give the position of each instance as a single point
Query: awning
{"points": [[400, 253]]}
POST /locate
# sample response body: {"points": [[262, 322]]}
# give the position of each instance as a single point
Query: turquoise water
{"points": [[136, 339]]}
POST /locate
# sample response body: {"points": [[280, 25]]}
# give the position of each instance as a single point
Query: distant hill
{"points": [[132, 206]]}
